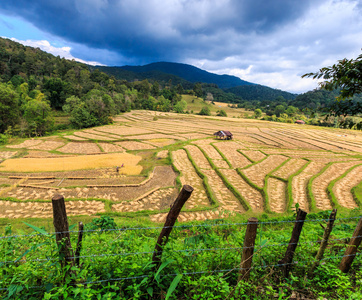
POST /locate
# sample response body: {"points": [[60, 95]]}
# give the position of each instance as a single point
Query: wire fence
{"points": [[119, 246], [180, 227], [256, 248]]}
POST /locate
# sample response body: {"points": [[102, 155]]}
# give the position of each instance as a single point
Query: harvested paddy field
{"points": [[80, 162], [138, 164]]}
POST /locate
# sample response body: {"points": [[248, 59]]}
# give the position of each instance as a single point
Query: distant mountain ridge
{"points": [[259, 92], [187, 75], [190, 73]]}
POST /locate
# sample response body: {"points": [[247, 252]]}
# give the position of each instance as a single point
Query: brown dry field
{"points": [[80, 162], [262, 162]]}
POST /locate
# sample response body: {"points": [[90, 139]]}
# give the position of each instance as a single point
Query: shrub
{"points": [[102, 223], [257, 113], [4, 139], [221, 113], [180, 106], [205, 111]]}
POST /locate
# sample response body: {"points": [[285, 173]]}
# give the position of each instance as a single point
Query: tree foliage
{"points": [[37, 113], [221, 113], [180, 106], [9, 106], [345, 75], [205, 111], [257, 113]]}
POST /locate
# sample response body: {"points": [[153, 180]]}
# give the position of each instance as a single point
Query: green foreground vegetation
{"points": [[200, 261]]}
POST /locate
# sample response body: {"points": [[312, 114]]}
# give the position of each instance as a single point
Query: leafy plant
{"points": [[102, 223]]}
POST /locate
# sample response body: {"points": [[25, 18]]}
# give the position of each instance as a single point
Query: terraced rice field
{"points": [[266, 168]]}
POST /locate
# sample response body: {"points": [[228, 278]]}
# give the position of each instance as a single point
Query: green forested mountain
{"points": [[259, 92], [186, 72], [225, 88], [320, 98], [151, 75]]}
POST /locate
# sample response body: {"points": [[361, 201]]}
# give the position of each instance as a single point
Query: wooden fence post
{"points": [[352, 247], [61, 227], [324, 242], [170, 221], [293, 243], [79, 243], [248, 248]]}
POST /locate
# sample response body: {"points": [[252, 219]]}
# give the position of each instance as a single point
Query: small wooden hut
{"points": [[224, 135], [299, 122]]}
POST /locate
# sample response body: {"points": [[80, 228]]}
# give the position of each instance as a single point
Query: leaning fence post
{"points": [[352, 247], [293, 243], [248, 248], [170, 221], [324, 242], [79, 243], [61, 227]]}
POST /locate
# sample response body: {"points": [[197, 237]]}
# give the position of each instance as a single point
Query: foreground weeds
{"points": [[200, 261]]}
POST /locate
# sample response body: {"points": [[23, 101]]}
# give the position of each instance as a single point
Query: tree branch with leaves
{"points": [[345, 75]]}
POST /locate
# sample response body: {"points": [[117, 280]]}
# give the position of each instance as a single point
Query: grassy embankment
{"points": [[195, 104]]}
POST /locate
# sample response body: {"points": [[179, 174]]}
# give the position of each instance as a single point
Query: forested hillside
{"points": [[151, 75], [35, 84], [259, 92]]}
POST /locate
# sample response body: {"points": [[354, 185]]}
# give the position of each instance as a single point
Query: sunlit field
{"points": [[138, 164]]}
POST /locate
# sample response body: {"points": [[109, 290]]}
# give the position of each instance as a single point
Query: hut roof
{"points": [[223, 133]]}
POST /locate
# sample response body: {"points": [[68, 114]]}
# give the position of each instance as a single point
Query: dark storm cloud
{"points": [[271, 42], [146, 31]]}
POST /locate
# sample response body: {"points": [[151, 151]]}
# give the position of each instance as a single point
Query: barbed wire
{"points": [[176, 227], [200, 272], [178, 251]]}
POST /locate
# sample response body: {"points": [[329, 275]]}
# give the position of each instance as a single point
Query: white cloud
{"points": [[61, 51], [268, 42], [328, 32]]}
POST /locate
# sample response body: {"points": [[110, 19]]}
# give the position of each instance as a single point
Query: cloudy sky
{"points": [[270, 42]]}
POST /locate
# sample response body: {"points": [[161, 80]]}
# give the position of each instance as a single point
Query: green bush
{"points": [[221, 113], [205, 111], [102, 223], [4, 139]]}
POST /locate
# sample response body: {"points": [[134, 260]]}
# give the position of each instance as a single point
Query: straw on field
{"points": [[75, 163]]}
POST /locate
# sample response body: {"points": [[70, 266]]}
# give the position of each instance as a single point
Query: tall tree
{"points": [[9, 107], [198, 90], [37, 113], [155, 90]]}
